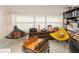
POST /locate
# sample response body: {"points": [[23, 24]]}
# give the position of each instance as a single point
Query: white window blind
{"points": [[40, 20], [24, 19], [54, 21], [26, 22]]}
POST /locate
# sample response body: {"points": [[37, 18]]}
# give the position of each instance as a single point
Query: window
{"points": [[54, 21], [40, 20], [24, 19], [26, 22]]}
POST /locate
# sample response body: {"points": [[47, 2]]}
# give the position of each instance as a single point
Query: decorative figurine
{"points": [[49, 28]]}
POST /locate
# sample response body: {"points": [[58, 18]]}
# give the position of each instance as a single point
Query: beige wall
{"points": [[1, 21], [5, 22], [46, 10]]}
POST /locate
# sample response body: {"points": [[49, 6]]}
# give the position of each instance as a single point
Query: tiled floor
{"points": [[58, 47], [55, 46]]}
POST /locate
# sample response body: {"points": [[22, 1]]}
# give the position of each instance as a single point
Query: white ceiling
{"points": [[38, 9]]}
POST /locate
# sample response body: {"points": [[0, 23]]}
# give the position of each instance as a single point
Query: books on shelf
{"points": [[71, 14]]}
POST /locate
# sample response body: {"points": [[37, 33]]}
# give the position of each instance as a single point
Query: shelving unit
{"points": [[71, 18], [71, 24]]}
